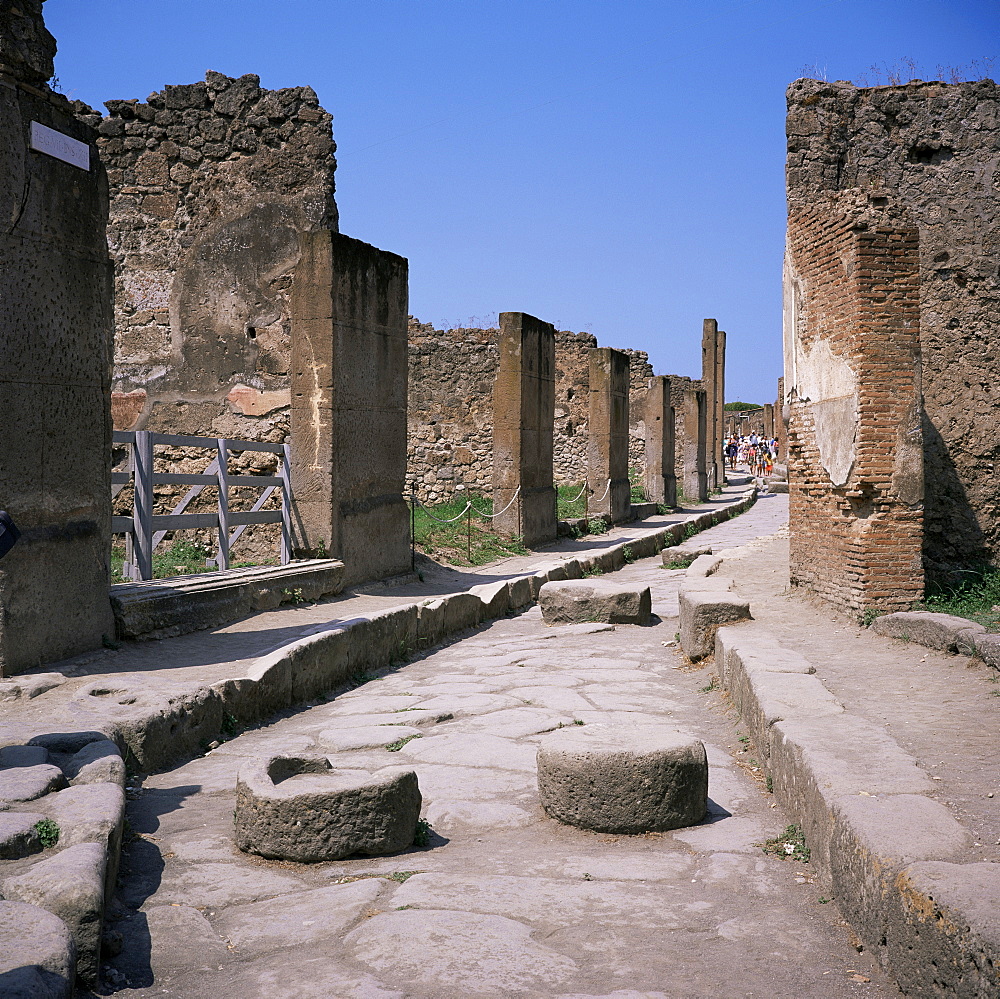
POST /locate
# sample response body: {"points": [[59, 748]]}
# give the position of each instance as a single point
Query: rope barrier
{"points": [[606, 491], [493, 516], [583, 489], [451, 520]]}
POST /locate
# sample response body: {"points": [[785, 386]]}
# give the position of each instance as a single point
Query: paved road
{"points": [[505, 901]]}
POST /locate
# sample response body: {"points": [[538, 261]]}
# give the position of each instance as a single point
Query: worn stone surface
{"points": [[31, 782], [27, 687], [937, 631], [38, 954], [18, 836], [302, 809], [623, 779], [96, 763], [23, 756], [918, 151], [71, 886], [524, 498], [55, 338], [578, 600]]}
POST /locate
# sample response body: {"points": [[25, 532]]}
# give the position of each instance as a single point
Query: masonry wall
{"points": [[929, 153], [852, 371], [55, 361], [450, 423]]}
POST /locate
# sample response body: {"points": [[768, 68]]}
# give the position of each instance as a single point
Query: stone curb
{"points": [[945, 632], [157, 728], [863, 806]]}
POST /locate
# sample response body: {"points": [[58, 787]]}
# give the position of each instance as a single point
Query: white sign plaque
{"points": [[62, 147]]}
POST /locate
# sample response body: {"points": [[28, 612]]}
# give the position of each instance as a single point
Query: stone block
{"points": [[574, 601], [29, 783], [937, 631], [97, 763], [302, 809], [520, 592], [18, 836], [23, 756], [988, 649], [71, 886], [628, 779], [495, 598], [679, 557], [37, 953], [703, 610], [703, 565]]}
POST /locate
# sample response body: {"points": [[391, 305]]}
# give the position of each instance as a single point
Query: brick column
{"points": [[695, 445], [348, 380], [854, 435], [524, 396], [607, 451], [660, 480], [56, 332]]}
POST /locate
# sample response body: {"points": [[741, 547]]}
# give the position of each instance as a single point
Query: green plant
{"points": [[293, 596], [790, 845], [360, 678], [469, 540], [973, 598], [578, 721], [709, 687], [48, 833], [570, 502], [401, 877], [690, 531], [230, 727], [422, 835], [594, 570], [769, 784], [395, 747], [823, 900], [321, 549], [745, 739], [628, 554]]}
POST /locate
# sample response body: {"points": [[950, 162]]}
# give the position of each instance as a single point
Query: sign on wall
{"points": [[62, 147]]}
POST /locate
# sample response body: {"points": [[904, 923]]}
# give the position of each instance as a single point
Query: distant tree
{"points": [[741, 407]]}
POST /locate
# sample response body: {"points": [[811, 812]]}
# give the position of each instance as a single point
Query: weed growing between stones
{"points": [[628, 554], [48, 833], [709, 687], [595, 570], [789, 845], [422, 837], [360, 678], [690, 531], [395, 747], [598, 525]]}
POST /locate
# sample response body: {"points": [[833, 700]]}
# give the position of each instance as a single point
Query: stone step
{"points": [[160, 608]]}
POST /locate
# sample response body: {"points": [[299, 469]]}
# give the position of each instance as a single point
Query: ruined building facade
{"points": [[920, 159]]}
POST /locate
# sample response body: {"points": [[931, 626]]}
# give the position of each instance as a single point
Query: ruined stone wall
{"points": [[450, 424], [211, 184], [852, 369], [930, 152]]}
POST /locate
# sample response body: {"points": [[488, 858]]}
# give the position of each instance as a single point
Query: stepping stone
{"points": [[302, 809], [28, 783], [705, 605], [23, 756], [628, 779], [18, 836], [573, 601]]}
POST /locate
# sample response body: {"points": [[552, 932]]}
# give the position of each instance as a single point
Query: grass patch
{"points": [[395, 747], [974, 598], [464, 541], [48, 833], [570, 505], [790, 845], [182, 558]]}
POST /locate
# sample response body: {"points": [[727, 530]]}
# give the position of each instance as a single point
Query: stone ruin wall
{"points": [[930, 152], [211, 184], [450, 412]]}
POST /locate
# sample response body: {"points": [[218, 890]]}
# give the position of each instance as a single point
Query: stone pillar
{"points": [[660, 480], [709, 372], [55, 360], [720, 405], [348, 383], [768, 420], [695, 445], [855, 443], [524, 398], [781, 422], [607, 450]]}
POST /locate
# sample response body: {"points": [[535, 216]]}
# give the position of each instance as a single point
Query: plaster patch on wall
{"points": [[257, 402], [829, 384]]}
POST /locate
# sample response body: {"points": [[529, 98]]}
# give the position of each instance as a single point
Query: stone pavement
{"points": [[505, 901]]}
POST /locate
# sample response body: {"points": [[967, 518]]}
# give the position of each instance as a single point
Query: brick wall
{"points": [[852, 373]]}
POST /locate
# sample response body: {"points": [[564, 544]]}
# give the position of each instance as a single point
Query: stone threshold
{"points": [[163, 608]]}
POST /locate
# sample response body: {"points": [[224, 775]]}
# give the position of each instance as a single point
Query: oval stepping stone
{"points": [[628, 779], [28, 783], [302, 809]]}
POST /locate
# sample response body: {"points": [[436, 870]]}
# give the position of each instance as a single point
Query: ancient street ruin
{"points": [[699, 730]]}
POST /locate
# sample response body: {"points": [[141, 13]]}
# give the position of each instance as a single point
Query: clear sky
{"points": [[606, 165]]}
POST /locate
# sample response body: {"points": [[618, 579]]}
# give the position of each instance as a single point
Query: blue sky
{"points": [[614, 167]]}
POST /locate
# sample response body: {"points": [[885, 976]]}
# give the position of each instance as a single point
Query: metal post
{"points": [[286, 504], [468, 532], [223, 458], [413, 527], [142, 506]]}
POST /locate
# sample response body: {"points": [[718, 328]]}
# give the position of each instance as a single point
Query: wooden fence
{"points": [[144, 530]]}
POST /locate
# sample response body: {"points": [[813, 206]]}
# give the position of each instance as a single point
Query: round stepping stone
{"points": [[38, 954], [302, 809], [573, 601], [628, 779]]}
